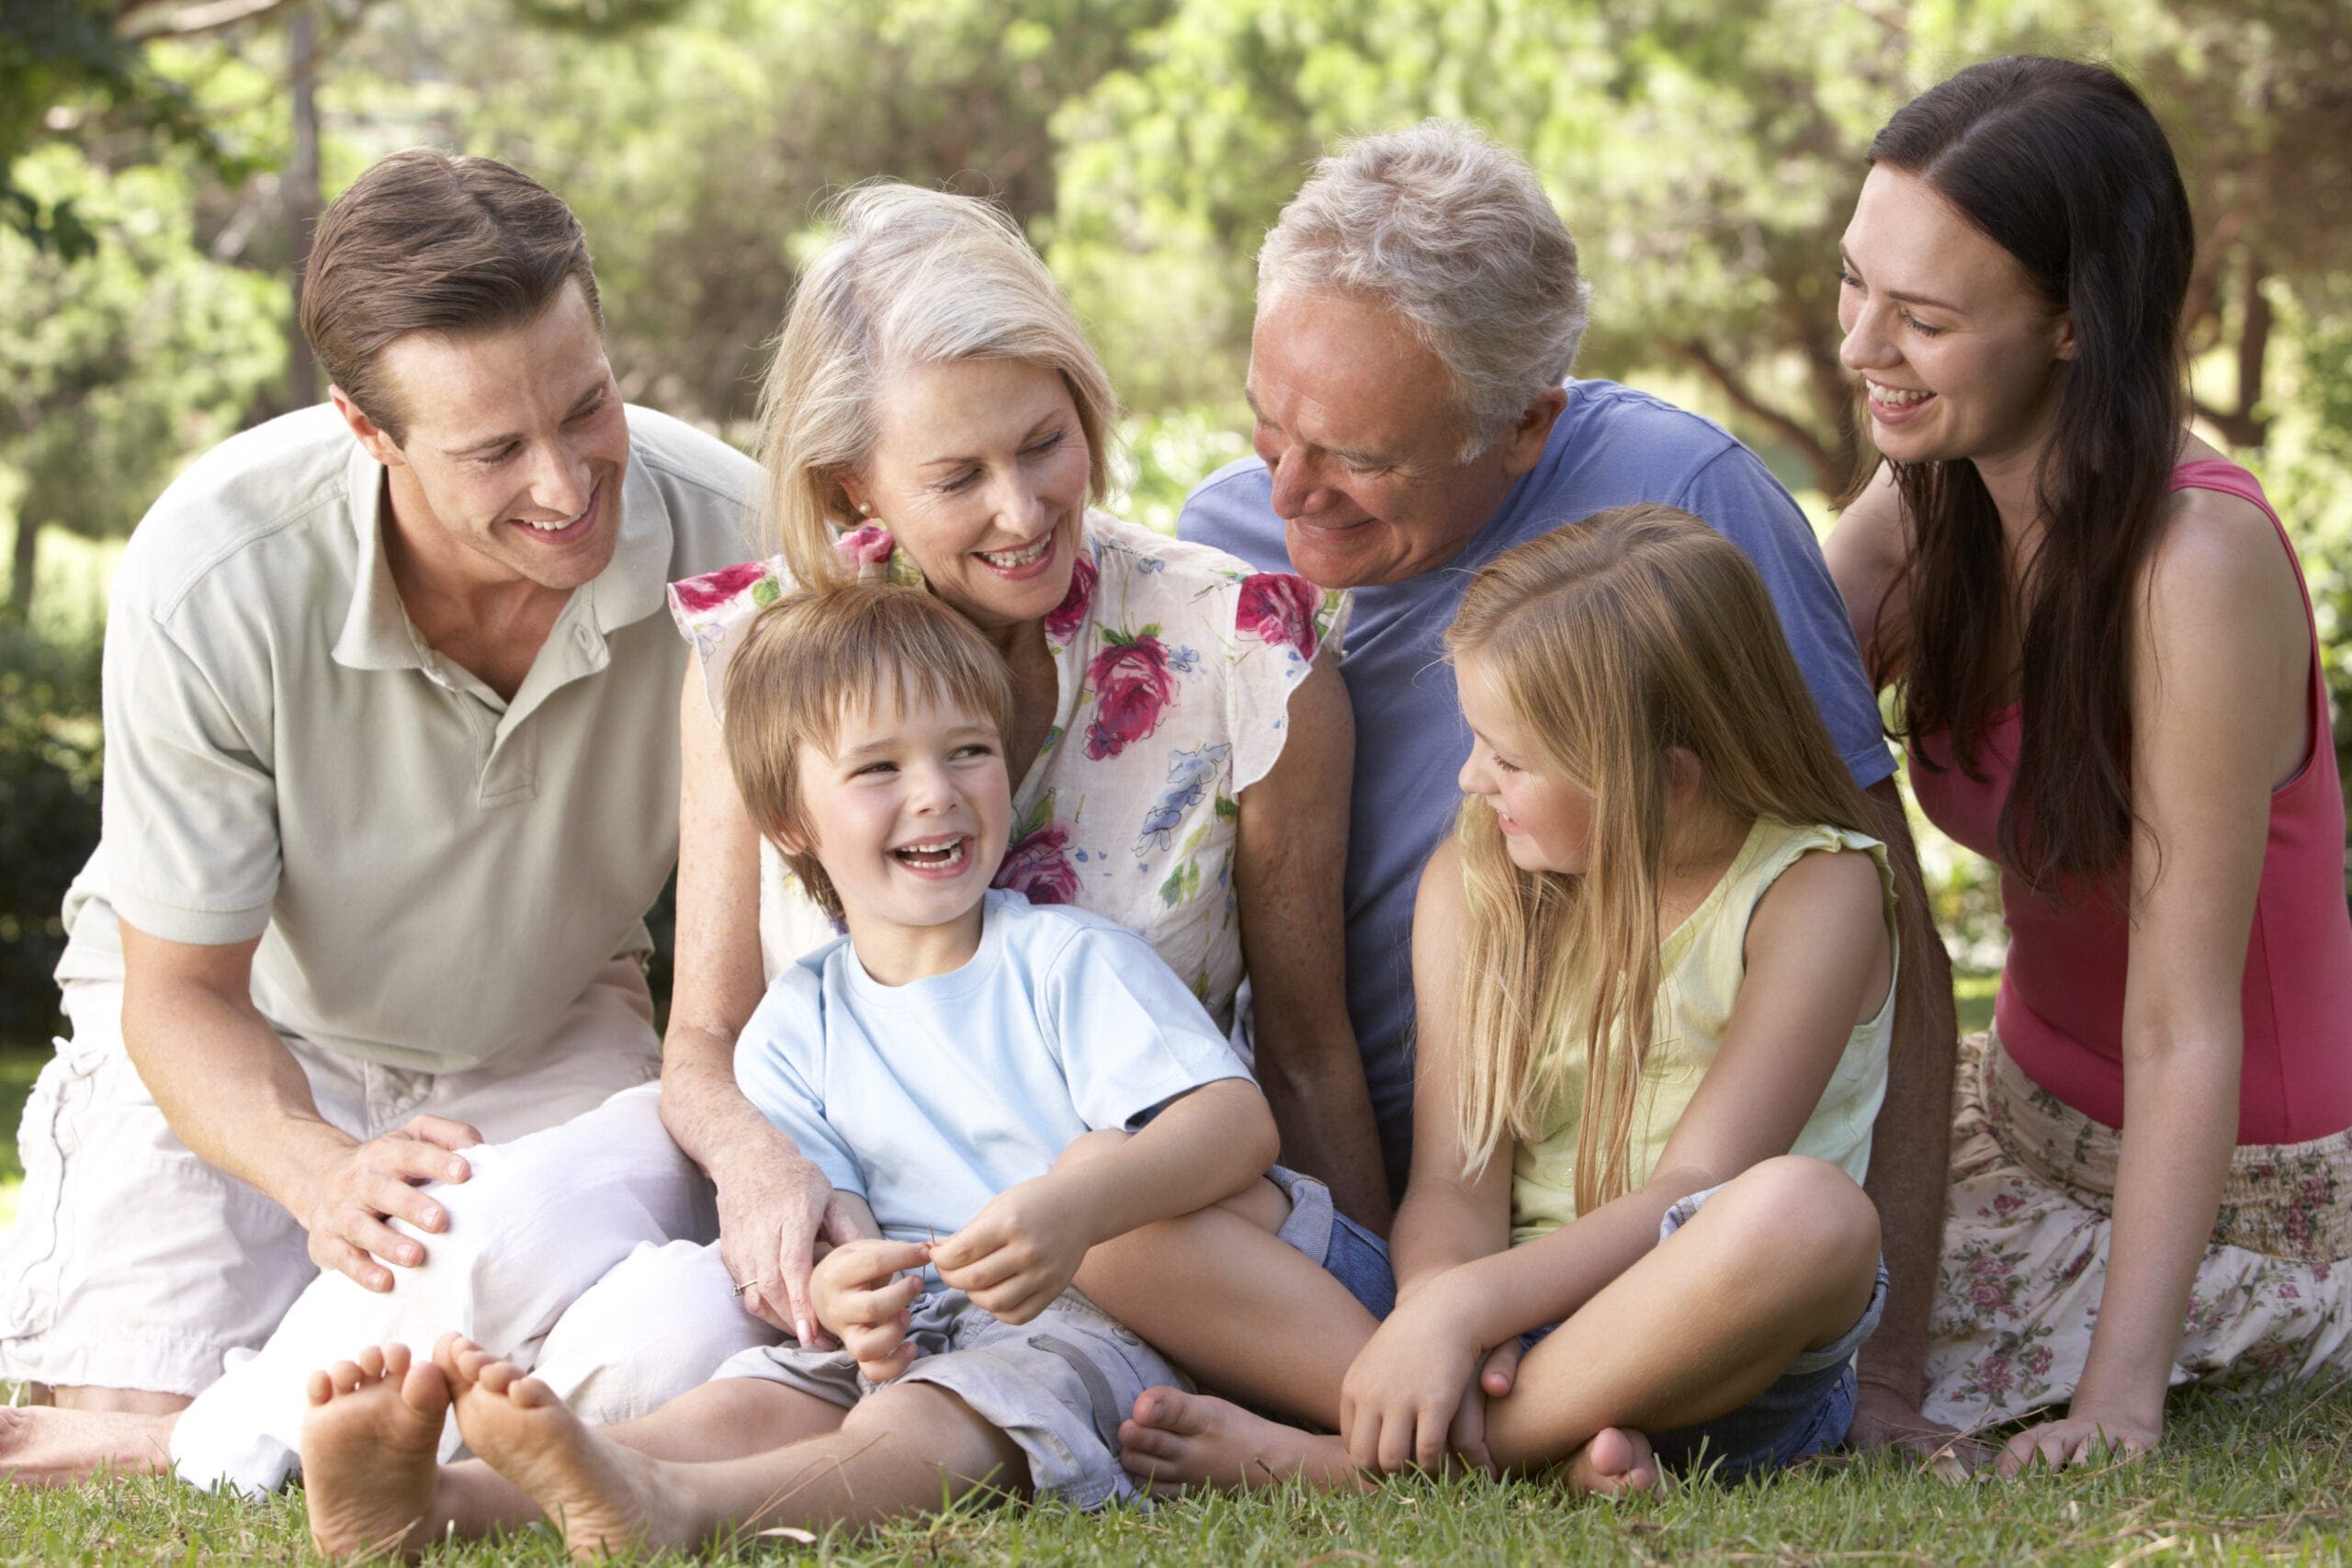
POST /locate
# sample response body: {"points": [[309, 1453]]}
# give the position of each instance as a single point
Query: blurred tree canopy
{"points": [[157, 168]]}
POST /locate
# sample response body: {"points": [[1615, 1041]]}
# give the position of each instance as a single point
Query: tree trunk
{"points": [[1828, 471], [302, 198], [2247, 425], [20, 579]]}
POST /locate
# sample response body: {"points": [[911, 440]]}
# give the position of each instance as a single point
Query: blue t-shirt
{"points": [[1612, 446], [929, 1098]]}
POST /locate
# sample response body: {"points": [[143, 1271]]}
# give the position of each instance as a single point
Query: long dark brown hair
{"points": [[2061, 164]]}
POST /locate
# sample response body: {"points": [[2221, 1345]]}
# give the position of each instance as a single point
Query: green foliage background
{"points": [[1705, 152]]}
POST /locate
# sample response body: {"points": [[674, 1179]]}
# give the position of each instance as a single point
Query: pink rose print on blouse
{"points": [[1038, 867], [865, 552], [713, 588], [1279, 608], [1131, 685], [1063, 621]]}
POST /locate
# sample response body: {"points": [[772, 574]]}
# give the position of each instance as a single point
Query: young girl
{"points": [[1655, 966]]}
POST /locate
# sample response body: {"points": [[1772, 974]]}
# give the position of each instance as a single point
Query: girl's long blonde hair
{"points": [[1614, 640]]}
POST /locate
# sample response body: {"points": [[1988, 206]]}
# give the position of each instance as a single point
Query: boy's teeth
{"points": [[558, 526], [944, 852]]}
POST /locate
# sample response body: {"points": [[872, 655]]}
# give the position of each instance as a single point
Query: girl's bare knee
{"points": [[1798, 1218]]}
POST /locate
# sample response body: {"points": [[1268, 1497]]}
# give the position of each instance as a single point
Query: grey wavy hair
{"points": [[1455, 235], [913, 276]]}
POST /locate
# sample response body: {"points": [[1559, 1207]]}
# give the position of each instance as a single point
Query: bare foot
{"points": [[43, 1446], [1618, 1460], [370, 1446], [602, 1497], [1177, 1439]]}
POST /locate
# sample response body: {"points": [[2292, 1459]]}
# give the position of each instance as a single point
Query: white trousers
{"points": [[582, 1253], [134, 1264]]}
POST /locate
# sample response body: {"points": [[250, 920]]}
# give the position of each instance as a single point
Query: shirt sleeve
{"points": [[1129, 1036], [1282, 624], [777, 1067], [191, 851], [714, 611], [1737, 496]]}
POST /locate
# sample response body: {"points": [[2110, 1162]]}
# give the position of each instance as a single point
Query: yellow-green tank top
{"points": [[1701, 965]]}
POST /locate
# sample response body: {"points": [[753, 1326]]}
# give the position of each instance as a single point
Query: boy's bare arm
{"points": [[1023, 1249]]}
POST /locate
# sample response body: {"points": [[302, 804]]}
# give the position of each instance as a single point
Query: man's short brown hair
{"points": [[430, 241]]}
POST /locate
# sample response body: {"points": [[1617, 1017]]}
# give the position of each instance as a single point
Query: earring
{"points": [[865, 509]]}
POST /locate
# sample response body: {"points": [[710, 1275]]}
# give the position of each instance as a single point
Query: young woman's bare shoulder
{"points": [[2218, 564], [1866, 553]]}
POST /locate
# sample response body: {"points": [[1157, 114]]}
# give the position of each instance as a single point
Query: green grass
{"points": [[2238, 1483]]}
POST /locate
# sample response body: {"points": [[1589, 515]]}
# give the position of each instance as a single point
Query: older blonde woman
{"points": [[1180, 736]]}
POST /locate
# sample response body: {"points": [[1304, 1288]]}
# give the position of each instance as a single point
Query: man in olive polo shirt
{"points": [[392, 779]]}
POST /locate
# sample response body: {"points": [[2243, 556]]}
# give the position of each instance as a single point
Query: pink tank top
{"points": [[2059, 1010]]}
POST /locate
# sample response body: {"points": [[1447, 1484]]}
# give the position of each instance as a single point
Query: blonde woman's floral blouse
{"points": [[1176, 663]]}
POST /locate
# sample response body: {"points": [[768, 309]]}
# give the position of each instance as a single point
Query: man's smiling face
{"points": [[510, 465], [1354, 422]]}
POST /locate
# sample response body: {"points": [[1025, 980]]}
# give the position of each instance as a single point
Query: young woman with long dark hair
{"points": [[2110, 686]]}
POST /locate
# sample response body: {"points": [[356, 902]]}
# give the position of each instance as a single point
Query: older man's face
{"points": [[1354, 422]]}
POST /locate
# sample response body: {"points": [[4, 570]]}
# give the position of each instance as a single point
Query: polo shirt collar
{"points": [[636, 582], [377, 633], [376, 630]]}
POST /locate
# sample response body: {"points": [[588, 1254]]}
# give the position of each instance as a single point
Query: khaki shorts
{"points": [[1059, 1385], [134, 1264]]}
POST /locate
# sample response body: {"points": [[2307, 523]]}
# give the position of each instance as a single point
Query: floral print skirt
{"points": [[2025, 1254]]}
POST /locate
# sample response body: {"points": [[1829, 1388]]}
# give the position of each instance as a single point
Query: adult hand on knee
{"points": [[772, 1210], [347, 1202]]}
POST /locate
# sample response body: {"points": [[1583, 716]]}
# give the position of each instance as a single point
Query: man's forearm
{"points": [[1911, 1143], [1323, 1110], [229, 1087]]}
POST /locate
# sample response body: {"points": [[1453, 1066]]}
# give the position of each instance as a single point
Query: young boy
{"points": [[1017, 1083]]}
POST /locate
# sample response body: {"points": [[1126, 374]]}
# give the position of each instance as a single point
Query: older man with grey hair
{"points": [[1420, 308]]}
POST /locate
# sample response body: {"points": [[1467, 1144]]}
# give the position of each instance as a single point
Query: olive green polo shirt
{"points": [[434, 873]]}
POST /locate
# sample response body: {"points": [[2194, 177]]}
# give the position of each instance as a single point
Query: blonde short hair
{"points": [[818, 655], [914, 277], [1454, 236]]}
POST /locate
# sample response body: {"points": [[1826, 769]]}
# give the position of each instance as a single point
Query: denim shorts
{"points": [[1808, 1410], [1348, 1253]]}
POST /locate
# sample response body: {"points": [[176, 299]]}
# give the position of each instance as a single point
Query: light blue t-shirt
{"points": [[1612, 446], [929, 1098]]}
